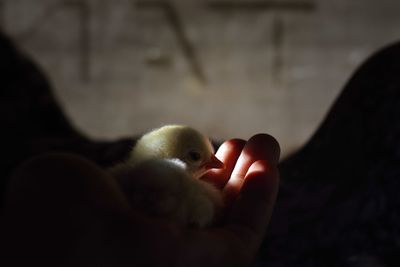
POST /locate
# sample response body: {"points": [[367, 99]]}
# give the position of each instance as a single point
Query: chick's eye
{"points": [[195, 156]]}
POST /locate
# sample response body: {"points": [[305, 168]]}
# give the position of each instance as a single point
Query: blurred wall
{"points": [[230, 68]]}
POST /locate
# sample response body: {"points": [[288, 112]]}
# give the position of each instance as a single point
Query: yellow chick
{"points": [[170, 160], [179, 142]]}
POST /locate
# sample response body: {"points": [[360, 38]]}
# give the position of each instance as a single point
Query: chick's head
{"points": [[185, 144]]}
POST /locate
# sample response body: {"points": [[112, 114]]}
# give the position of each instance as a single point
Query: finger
{"points": [[228, 153], [237, 242], [259, 147], [252, 209]]}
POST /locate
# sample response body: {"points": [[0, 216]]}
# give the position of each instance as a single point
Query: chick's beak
{"points": [[214, 163]]}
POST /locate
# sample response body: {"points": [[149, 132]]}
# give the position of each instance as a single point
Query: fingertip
{"points": [[265, 146], [230, 146]]}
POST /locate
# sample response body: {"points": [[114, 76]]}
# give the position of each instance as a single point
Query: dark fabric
{"points": [[32, 121], [338, 203]]}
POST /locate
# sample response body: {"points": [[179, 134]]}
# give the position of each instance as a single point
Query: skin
{"points": [[63, 210]]}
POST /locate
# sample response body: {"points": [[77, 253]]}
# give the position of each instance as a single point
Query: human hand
{"points": [[73, 211], [249, 184]]}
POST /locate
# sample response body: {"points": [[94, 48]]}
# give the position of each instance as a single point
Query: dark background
{"points": [[123, 67]]}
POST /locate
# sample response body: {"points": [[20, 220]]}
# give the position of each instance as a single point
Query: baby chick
{"points": [[161, 176]]}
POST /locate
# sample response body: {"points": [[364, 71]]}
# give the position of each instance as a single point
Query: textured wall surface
{"points": [[230, 68]]}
